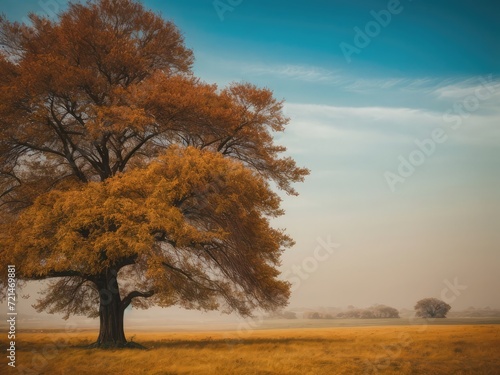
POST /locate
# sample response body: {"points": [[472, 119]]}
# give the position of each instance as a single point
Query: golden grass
{"points": [[465, 349]]}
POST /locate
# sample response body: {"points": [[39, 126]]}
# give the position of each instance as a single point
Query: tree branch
{"points": [[128, 299], [51, 273], [133, 151]]}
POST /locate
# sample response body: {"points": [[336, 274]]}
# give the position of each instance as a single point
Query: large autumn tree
{"points": [[126, 180]]}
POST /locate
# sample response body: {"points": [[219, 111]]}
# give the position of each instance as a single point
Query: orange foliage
{"points": [[192, 227], [115, 158]]}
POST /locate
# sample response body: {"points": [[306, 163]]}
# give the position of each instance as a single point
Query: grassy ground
{"points": [[433, 349]]}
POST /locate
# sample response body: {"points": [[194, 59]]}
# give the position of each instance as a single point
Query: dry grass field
{"points": [[450, 349]]}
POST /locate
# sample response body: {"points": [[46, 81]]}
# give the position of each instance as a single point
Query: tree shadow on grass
{"points": [[205, 343], [210, 343]]}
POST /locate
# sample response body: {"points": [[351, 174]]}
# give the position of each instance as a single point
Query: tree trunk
{"points": [[111, 333]]}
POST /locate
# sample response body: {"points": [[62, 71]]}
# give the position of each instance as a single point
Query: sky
{"points": [[394, 107]]}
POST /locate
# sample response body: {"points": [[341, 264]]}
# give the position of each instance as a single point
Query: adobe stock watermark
{"points": [[372, 29], [426, 147], [452, 290], [296, 274], [49, 9], [49, 351], [301, 272], [223, 6], [449, 294], [389, 353]]}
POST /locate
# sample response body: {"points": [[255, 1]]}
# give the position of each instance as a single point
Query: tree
{"points": [[289, 315], [431, 308], [373, 312], [281, 314], [125, 180], [315, 315], [383, 311]]}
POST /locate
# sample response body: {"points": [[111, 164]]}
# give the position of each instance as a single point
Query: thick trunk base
{"points": [[111, 309], [118, 345], [111, 332]]}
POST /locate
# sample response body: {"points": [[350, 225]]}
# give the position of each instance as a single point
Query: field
{"points": [[394, 349]]}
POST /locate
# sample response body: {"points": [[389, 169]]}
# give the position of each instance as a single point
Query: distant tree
{"points": [[289, 315], [431, 308], [353, 313], [367, 314], [315, 315], [377, 311], [281, 314], [382, 311]]}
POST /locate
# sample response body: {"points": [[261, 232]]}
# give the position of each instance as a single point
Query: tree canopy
{"points": [[431, 308], [128, 179]]}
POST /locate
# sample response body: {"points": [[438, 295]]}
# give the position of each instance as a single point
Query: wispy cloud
{"points": [[361, 125], [469, 86], [372, 118], [342, 79], [442, 87], [297, 72], [351, 131]]}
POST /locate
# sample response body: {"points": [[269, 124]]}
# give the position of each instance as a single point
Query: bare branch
{"points": [[128, 299]]}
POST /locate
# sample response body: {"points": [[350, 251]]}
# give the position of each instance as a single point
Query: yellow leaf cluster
{"points": [[194, 221]]}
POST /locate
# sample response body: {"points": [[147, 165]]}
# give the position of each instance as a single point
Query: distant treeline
{"points": [[476, 312], [373, 312]]}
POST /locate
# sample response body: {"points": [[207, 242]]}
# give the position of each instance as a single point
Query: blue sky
{"points": [[402, 137], [300, 43]]}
